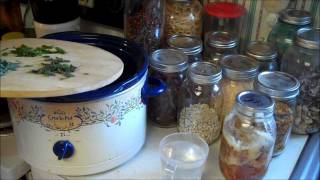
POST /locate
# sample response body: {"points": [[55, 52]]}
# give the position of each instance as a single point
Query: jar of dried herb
{"points": [[265, 54], [283, 89], [170, 66], [200, 101], [302, 61], [238, 72], [183, 17], [248, 137], [189, 45], [219, 44]]}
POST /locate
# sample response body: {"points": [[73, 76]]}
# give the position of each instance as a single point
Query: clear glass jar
{"points": [[144, 22], [248, 137], [302, 61], [189, 45], [170, 66], [265, 54], [283, 89], [200, 101], [183, 17], [282, 34], [238, 72], [219, 44]]}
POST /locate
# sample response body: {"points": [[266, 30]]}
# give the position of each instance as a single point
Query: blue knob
{"points": [[63, 149]]}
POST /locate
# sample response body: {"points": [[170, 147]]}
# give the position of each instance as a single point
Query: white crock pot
{"points": [[90, 132]]}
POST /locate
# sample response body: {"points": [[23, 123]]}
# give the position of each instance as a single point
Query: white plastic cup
{"points": [[183, 156]]}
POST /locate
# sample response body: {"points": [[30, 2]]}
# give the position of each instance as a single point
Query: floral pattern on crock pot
{"points": [[57, 119]]}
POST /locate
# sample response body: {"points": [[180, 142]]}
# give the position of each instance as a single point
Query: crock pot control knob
{"points": [[63, 149]]}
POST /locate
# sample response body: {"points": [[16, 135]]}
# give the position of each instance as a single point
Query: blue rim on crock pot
{"points": [[132, 55]]}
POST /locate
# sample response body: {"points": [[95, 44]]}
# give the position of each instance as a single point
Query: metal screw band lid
{"points": [[277, 84], [169, 60], [250, 103], [294, 16], [205, 73], [188, 44], [239, 67], [308, 38], [262, 51], [222, 39]]}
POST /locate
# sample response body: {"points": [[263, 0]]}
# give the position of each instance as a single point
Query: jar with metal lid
{"points": [[189, 45], [283, 89], [238, 72], [170, 66], [183, 17], [248, 137], [302, 61], [200, 101], [219, 44], [282, 34], [265, 54]]}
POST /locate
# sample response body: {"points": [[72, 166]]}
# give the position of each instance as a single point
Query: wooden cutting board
{"points": [[95, 68]]}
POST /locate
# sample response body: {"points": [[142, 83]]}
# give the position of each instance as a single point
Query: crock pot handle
{"points": [[153, 87]]}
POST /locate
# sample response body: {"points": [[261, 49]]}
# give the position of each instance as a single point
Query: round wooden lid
{"points": [[94, 68]]}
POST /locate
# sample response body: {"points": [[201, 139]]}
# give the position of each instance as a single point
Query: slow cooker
{"points": [[90, 132]]}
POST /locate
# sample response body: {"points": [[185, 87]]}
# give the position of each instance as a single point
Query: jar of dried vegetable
{"points": [[183, 17], [265, 54], [289, 21], [283, 89], [144, 22], [200, 101], [189, 45], [170, 66], [238, 72], [302, 61], [219, 44], [248, 137]]}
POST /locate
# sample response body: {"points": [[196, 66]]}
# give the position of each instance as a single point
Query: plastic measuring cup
{"points": [[183, 156]]}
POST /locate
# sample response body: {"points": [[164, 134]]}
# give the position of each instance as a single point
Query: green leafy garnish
{"points": [[6, 66], [26, 51], [56, 66]]}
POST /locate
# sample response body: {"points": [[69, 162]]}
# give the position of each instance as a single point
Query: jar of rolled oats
{"points": [[283, 89], [200, 101], [183, 17], [238, 72]]}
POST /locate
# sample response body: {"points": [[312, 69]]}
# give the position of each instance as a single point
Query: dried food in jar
{"points": [[200, 119], [183, 18], [134, 26]]}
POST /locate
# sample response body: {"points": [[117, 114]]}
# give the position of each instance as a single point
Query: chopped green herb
{"points": [[27, 65], [26, 51], [85, 73], [56, 66], [6, 66]]}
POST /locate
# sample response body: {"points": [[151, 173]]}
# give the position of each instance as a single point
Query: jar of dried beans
{"points": [[283, 89], [265, 54], [238, 72], [200, 101], [189, 45], [183, 17], [248, 137], [219, 44], [144, 22], [302, 61], [171, 67]]}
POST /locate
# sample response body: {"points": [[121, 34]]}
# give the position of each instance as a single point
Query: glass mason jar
{"points": [[302, 61], [283, 89], [144, 22], [189, 45], [200, 101], [219, 44], [265, 54], [238, 72], [183, 17], [282, 34], [248, 137], [170, 66]]}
